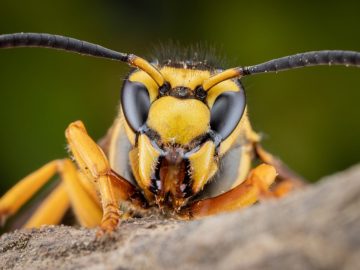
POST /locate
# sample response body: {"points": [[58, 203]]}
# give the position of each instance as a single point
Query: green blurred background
{"points": [[309, 117]]}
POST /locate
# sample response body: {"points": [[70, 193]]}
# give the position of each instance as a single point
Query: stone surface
{"points": [[315, 228]]}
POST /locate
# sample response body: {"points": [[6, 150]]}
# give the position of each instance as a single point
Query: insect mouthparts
{"points": [[174, 155]]}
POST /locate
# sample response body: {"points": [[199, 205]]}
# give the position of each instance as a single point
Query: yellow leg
{"points": [[90, 187], [287, 180], [245, 194], [85, 206], [18, 195], [94, 164], [51, 210], [86, 209]]}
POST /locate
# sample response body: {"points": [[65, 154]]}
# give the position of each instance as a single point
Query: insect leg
{"points": [[19, 194], [86, 208], [245, 194], [287, 180], [52, 209], [93, 162]]}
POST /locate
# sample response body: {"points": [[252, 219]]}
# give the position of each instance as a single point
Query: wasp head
{"points": [[179, 131]]}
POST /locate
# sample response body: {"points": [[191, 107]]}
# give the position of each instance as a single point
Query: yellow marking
{"points": [[190, 78], [220, 88], [129, 132], [178, 120], [134, 163], [148, 157], [144, 78], [212, 170], [202, 165]]}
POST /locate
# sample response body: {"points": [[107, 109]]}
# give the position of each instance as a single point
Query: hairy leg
{"points": [[94, 164]]}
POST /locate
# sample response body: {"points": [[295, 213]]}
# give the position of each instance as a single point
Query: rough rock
{"points": [[315, 228]]}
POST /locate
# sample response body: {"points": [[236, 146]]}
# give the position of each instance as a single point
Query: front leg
{"points": [[287, 180], [245, 194], [93, 162]]}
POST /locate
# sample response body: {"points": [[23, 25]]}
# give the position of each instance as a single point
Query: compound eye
{"points": [[135, 103], [227, 112]]}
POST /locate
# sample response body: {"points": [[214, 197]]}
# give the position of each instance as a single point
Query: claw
{"points": [[109, 222], [107, 228]]}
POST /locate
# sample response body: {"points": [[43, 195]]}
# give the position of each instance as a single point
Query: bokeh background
{"points": [[309, 117]]}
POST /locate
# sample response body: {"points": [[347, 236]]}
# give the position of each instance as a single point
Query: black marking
{"points": [[216, 138], [181, 92], [164, 89], [186, 185], [154, 137], [200, 93], [155, 182], [197, 142]]}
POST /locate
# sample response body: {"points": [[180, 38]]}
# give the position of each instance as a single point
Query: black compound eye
{"points": [[227, 112], [135, 103]]}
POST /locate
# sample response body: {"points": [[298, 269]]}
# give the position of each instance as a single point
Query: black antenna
{"points": [[315, 58], [60, 43], [78, 46]]}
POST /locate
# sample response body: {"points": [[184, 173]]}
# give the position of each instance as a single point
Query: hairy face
{"points": [[178, 138]]}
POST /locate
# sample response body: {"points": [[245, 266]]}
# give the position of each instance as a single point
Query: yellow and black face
{"points": [[179, 133]]}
